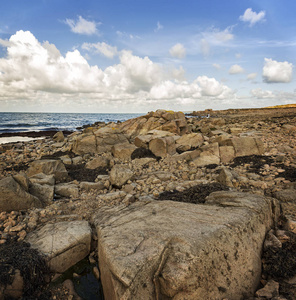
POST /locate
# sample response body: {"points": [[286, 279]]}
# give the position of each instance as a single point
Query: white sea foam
{"points": [[15, 139]]}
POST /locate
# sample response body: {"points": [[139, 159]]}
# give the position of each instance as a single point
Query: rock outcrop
{"points": [[172, 250], [174, 122], [98, 141]]}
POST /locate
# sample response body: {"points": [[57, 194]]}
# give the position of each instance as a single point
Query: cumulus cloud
{"points": [[251, 76], [158, 27], [212, 87], [252, 17], [235, 69], [33, 70], [274, 71], [82, 26], [101, 48], [178, 51]]}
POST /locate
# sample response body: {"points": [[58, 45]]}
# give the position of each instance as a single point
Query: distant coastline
{"points": [[16, 127]]}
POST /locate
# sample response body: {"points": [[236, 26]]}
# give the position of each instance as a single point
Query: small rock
{"points": [[270, 290]]}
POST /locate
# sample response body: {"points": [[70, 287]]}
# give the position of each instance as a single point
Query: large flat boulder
{"points": [[13, 196], [245, 145], [188, 141], [48, 167], [172, 250], [64, 244]]}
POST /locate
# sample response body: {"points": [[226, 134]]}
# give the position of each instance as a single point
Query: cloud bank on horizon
{"points": [[118, 68]]}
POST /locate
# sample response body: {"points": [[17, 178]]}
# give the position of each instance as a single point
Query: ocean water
{"points": [[24, 122]]}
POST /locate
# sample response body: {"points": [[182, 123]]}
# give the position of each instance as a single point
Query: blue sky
{"points": [[137, 56]]}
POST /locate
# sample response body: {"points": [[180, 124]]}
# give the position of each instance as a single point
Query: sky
{"points": [[135, 56]]}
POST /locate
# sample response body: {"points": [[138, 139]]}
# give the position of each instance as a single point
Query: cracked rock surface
{"points": [[64, 243], [172, 250]]}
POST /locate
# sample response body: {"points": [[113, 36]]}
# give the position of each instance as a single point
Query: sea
{"points": [[24, 122]]}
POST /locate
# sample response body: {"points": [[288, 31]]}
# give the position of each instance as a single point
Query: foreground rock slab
{"points": [[172, 250], [64, 244]]}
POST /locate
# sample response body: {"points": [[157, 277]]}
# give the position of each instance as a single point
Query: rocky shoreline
{"points": [[93, 189]]}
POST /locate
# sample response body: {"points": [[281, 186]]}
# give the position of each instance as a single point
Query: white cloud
{"points": [[217, 36], [82, 26], [124, 35], [217, 66], [252, 17], [238, 55], [204, 47], [214, 37], [159, 27], [223, 36], [261, 94], [251, 76], [38, 71], [178, 74], [102, 48], [274, 71], [212, 87], [235, 69], [178, 51]]}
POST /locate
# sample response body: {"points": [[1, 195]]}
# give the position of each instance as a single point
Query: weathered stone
{"points": [[119, 175], [225, 177], [64, 244], [140, 162], [59, 137], [77, 160], [245, 145], [206, 160], [85, 143], [173, 122], [48, 167], [43, 192], [66, 160], [123, 151], [227, 154], [107, 137], [163, 176], [270, 290], [290, 225], [42, 178], [23, 180], [188, 141], [183, 251], [112, 196], [87, 186], [14, 197], [162, 146], [67, 190], [209, 156], [289, 128], [211, 149], [98, 162], [142, 141], [288, 195]]}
